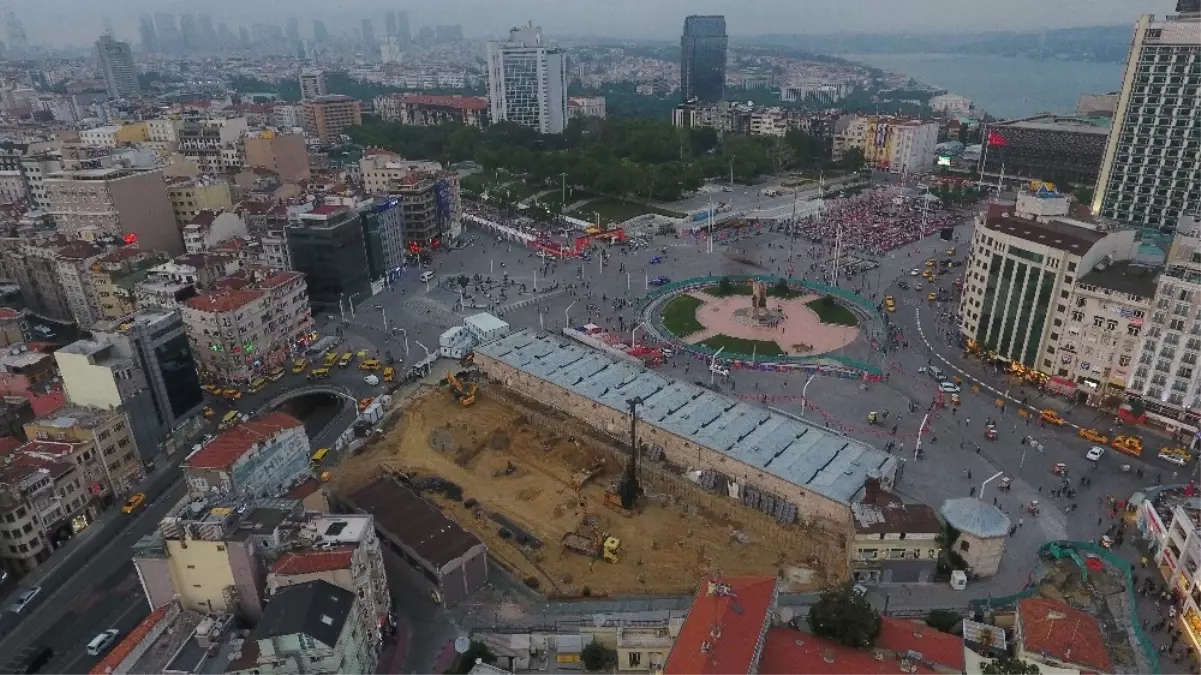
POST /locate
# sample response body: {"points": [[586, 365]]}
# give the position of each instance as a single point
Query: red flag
{"points": [[995, 139]]}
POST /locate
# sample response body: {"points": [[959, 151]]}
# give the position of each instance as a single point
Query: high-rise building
{"points": [[390, 50], [116, 63], [320, 33], [208, 35], [1151, 172], [128, 203], [146, 33], [390, 24], [527, 81], [326, 117], [312, 84], [167, 32], [368, 31], [703, 59], [402, 28], [189, 32], [18, 43], [448, 34], [292, 29], [328, 246]]}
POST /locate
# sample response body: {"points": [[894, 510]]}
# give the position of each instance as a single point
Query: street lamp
{"points": [[713, 364], [633, 341], [917, 447], [989, 480], [567, 315], [352, 297], [406, 336], [805, 393]]}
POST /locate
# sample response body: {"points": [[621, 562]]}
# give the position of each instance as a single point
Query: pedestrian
{"points": [[1021, 522]]}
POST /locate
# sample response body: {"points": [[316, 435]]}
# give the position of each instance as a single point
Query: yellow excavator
{"points": [[464, 394]]}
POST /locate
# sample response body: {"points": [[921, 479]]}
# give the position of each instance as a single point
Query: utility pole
{"points": [[628, 487]]}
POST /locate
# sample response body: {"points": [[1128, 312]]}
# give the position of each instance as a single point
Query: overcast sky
{"points": [[79, 21]]}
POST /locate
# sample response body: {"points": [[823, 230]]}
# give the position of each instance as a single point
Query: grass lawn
{"points": [[484, 179], [679, 315], [573, 195], [831, 311], [743, 346], [520, 191], [618, 210]]}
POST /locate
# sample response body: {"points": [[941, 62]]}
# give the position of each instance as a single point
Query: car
{"points": [[24, 599], [365, 403], [1177, 456], [914, 272], [1095, 452], [918, 287], [936, 373], [1051, 417], [299, 365], [660, 281], [134, 502], [726, 188], [657, 260], [1094, 436], [948, 387], [903, 285], [102, 642], [932, 297], [371, 380], [889, 300], [1130, 445]]}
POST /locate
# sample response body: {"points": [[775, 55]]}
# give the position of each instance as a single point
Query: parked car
{"points": [[948, 387], [24, 599], [1095, 452]]}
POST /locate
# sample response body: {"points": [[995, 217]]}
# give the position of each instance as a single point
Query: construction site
{"points": [[553, 501]]}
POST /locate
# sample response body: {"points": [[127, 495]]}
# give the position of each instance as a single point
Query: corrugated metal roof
{"points": [[817, 458]]}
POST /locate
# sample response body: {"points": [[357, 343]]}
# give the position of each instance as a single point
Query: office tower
{"points": [[1151, 173], [116, 63], [208, 36], [107, 22], [167, 32], [703, 59], [327, 247], [146, 33], [402, 28], [312, 84], [390, 23], [225, 38], [390, 50], [18, 43], [320, 34], [368, 31], [527, 81], [292, 30], [244, 36], [189, 32]]}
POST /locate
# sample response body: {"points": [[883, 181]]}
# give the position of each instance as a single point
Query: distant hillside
{"points": [[1108, 44]]}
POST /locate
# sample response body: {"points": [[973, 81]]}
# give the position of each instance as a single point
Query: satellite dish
{"points": [[462, 644], [598, 620]]}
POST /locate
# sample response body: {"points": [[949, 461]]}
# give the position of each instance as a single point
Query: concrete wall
{"points": [[201, 572], [984, 555], [155, 577], [677, 450], [146, 210]]}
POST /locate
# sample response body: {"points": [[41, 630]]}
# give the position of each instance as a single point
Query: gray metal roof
{"points": [[968, 514], [821, 460]]}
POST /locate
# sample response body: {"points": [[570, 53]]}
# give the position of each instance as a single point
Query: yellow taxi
{"points": [[330, 359], [346, 359], [209, 412], [1094, 436], [932, 297], [890, 304], [1051, 417], [230, 419], [276, 374], [299, 365], [1130, 445], [232, 394], [951, 252], [134, 502], [369, 364], [319, 373], [931, 262], [212, 389], [362, 354], [389, 374], [1178, 456]]}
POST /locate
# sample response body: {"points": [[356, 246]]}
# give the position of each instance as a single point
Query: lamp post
{"points": [[917, 446], [713, 364], [567, 315], [633, 341], [989, 480], [805, 393], [406, 337], [354, 295], [383, 311]]}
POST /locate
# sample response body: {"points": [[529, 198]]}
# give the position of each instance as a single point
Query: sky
{"points": [[60, 22]]}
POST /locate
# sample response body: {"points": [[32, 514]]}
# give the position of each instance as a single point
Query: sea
{"points": [[1004, 86]]}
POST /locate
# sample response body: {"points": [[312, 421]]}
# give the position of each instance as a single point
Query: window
{"points": [[1076, 316], [963, 545], [1133, 330], [1098, 321]]}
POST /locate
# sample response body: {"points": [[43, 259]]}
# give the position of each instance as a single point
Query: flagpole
{"points": [[983, 154]]}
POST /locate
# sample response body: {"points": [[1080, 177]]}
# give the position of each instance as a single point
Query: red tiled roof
{"points": [[122, 254], [327, 209], [223, 301], [8, 444], [226, 448], [125, 647], [1064, 633], [787, 651], [313, 561], [723, 626], [23, 465], [937, 647], [205, 217], [44, 404], [9, 313], [279, 279], [309, 487], [459, 102]]}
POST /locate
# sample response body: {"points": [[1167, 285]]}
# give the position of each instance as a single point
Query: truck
{"points": [[601, 546]]}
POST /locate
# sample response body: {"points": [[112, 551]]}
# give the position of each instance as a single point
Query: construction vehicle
{"points": [[600, 546], [581, 477], [623, 494], [467, 360], [463, 394]]}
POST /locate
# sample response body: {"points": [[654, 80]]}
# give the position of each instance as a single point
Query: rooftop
{"points": [[787, 651], [227, 447], [1054, 234], [1050, 122], [403, 515], [459, 102], [317, 609], [721, 633], [936, 647], [1123, 277], [888, 514], [975, 517], [313, 561], [1056, 630], [816, 458], [223, 301]]}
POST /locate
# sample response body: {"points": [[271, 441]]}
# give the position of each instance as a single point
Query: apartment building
{"points": [[895, 542], [1166, 372], [586, 106], [527, 81], [1178, 560], [312, 84], [216, 145], [383, 235], [54, 275], [211, 227], [43, 503], [115, 274], [101, 138], [263, 456], [102, 445], [1025, 258], [1107, 310], [190, 196], [724, 117], [141, 364], [13, 327], [329, 247], [126, 203], [285, 154], [163, 131], [35, 168], [426, 111], [239, 334], [117, 67], [287, 116], [326, 117], [431, 208], [382, 170], [890, 143]]}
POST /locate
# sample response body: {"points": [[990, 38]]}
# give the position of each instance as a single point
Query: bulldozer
{"points": [[600, 546], [465, 395]]}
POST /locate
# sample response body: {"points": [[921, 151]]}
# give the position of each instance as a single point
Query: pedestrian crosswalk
{"points": [[512, 306], [426, 310]]}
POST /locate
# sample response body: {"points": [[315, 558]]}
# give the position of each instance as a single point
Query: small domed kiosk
{"points": [[982, 532]]}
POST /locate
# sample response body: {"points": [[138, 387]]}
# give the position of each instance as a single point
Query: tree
{"points": [[843, 615], [1007, 665], [781, 289], [942, 619], [852, 159], [1083, 194], [725, 286], [595, 656]]}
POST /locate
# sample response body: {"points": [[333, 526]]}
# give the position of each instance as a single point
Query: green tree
{"points": [[942, 619], [595, 656], [725, 286], [852, 160], [1007, 665], [843, 615], [1083, 193]]}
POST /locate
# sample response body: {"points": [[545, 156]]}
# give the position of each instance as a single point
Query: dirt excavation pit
{"points": [[517, 479]]}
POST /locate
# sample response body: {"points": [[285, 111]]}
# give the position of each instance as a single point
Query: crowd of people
{"points": [[875, 222]]}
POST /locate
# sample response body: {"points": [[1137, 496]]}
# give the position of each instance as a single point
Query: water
{"points": [[1004, 86]]}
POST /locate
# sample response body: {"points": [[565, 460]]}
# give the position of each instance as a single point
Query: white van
{"points": [[102, 642], [426, 276]]}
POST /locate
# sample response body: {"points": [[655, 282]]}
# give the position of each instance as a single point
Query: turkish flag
{"points": [[995, 139]]}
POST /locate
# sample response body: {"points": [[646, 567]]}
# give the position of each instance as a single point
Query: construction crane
{"points": [[625, 492], [463, 394]]}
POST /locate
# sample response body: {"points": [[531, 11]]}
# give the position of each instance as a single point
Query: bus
{"points": [[318, 457]]}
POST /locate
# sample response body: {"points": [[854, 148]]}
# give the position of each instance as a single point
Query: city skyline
{"points": [[661, 20]]}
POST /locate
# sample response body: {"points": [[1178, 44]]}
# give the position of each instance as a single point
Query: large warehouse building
{"points": [[818, 471]]}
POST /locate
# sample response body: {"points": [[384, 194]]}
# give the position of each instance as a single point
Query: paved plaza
{"points": [[798, 331]]}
